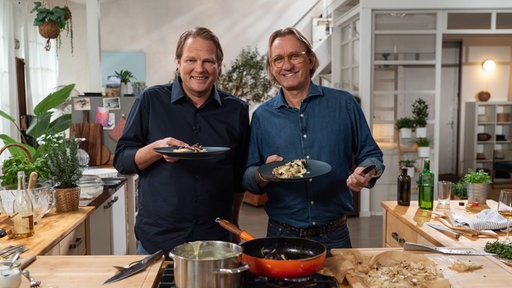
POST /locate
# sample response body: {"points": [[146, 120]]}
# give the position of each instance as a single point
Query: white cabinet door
{"points": [[99, 227], [119, 246]]}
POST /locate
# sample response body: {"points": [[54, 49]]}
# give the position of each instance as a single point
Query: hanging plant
{"points": [[52, 21]]}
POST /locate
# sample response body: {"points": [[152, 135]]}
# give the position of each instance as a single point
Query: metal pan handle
{"points": [[244, 235], [233, 270]]}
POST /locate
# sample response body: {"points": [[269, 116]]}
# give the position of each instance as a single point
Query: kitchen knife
{"points": [[142, 265], [408, 246], [446, 231], [367, 170]]}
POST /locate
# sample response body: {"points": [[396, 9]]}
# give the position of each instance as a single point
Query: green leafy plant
{"points": [[62, 16], [420, 112], [477, 177], [63, 163], [404, 122], [246, 77], [502, 249], [42, 131], [423, 142], [407, 163], [125, 75], [459, 189]]}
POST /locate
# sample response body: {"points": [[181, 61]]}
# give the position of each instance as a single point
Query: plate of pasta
{"points": [[293, 170]]}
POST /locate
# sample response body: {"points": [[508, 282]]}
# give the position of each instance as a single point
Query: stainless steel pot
{"points": [[208, 264]]}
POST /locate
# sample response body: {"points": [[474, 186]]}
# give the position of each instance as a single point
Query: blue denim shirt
{"points": [[329, 126]]}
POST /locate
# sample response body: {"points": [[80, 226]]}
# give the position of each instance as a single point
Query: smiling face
{"points": [[198, 68], [291, 76]]}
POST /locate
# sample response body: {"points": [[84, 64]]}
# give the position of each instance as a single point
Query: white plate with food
{"points": [[293, 170], [192, 153]]}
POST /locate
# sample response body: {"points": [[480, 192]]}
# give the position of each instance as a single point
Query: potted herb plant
{"points": [[423, 147], [459, 191], [64, 170], [36, 139], [477, 186], [126, 78], [409, 164], [405, 125], [420, 115], [52, 21]]}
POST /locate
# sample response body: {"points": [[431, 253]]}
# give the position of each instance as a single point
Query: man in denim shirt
{"points": [[306, 121]]}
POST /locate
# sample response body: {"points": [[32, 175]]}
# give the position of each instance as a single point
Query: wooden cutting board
{"points": [[493, 270], [93, 133], [90, 271]]}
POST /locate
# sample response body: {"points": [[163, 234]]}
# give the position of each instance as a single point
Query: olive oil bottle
{"points": [[426, 187], [403, 192], [23, 220]]}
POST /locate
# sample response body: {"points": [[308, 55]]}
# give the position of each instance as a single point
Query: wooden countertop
{"points": [[415, 219], [49, 231], [493, 270], [90, 271]]}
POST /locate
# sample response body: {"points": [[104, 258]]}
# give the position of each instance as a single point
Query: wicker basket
{"points": [[67, 199], [29, 157]]}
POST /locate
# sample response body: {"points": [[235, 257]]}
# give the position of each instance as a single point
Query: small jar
{"points": [[10, 276]]}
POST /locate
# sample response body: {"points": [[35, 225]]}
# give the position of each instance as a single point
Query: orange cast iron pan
{"points": [[279, 257]]}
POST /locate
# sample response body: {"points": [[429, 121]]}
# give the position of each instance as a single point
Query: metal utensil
{"points": [[33, 283], [446, 231], [15, 257], [367, 170], [142, 265], [408, 246], [124, 267], [9, 250]]}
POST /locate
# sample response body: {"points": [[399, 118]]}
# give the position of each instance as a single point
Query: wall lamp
{"points": [[488, 65]]}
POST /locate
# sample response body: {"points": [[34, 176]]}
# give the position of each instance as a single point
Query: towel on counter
{"points": [[487, 219]]}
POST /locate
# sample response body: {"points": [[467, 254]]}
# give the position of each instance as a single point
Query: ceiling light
{"points": [[488, 65]]}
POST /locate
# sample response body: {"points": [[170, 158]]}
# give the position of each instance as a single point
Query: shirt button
{"points": [[307, 157], [305, 136], [312, 202], [314, 223], [302, 115]]}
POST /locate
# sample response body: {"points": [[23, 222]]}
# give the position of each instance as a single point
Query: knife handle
{"points": [[451, 234]]}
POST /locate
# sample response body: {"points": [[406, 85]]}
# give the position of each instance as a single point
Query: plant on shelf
{"points": [[52, 21], [420, 112], [125, 75], [407, 163], [423, 142], [404, 122], [423, 146], [36, 139]]}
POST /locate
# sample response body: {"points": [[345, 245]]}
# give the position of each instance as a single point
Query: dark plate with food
{"points": [[293, 170], [184, 153]]}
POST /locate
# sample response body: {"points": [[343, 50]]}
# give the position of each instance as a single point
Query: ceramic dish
{"points": [[211, 152], [314, 168]]}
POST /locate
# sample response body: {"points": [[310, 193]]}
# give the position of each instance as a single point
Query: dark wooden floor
{"points": [[365, 232]]}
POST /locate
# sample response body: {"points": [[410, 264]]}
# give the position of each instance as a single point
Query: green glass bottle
{"points": [[403, 192], [426, 187]]}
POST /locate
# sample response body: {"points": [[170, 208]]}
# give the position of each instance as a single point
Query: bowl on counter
{"points": [[42, 196]]}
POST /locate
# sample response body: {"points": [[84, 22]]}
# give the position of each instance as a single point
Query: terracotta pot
{"points": [[49, 30], [484, 96]]}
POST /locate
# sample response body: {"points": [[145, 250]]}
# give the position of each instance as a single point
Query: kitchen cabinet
{"points": [[488, 138], [407, 224], [73, 243], [106, 226]]}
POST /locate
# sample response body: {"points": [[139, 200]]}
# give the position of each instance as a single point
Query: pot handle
{"points": [[233, 270], [244, 235]]}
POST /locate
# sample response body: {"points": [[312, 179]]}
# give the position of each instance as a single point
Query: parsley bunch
{"points": [[501, 249]]}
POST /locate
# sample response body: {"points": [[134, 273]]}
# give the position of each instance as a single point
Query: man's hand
{"points": [[358, 180]]}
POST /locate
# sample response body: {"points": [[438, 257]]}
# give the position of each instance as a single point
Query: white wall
{"points": [[154, 26]]}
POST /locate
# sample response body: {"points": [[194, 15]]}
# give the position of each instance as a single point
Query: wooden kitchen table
{"points": [[493, 274], [407, 224], [90, 271]]}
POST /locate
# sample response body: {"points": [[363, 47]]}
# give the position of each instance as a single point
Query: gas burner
{"points": [[167, 280], [315, 281]]}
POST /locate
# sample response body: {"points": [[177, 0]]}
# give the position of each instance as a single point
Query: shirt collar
{"points": [[178, 93], [314, 90]]}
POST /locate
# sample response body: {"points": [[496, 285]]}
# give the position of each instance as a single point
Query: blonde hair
{"points": [[285, 32], [199, 32]]}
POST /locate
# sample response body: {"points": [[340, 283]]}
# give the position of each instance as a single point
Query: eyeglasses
{"points": [[294, 58]]}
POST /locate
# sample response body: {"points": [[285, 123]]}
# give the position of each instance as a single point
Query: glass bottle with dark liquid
{"points": [[404, 188]]}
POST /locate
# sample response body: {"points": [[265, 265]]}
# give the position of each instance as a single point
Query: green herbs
{"points": [[477, 177], [404, 122], [501, 249]]}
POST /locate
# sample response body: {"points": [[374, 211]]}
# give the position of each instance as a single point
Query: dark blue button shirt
{"points": [[329, 126], [178, 202]]}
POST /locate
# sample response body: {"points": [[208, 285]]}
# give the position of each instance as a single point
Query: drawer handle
{"points": [[399, 240], [77, 243]]}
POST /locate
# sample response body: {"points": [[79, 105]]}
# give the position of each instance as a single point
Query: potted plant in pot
{"points": [[64, 170], [126, 78], [459, 191], [409, 164], [420, 115], [423, 147], [477, 186], [52, 21], [405, 125]]}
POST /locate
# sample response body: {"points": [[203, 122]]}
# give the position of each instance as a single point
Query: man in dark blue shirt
{"points": [[180, 199], [306, 121]]}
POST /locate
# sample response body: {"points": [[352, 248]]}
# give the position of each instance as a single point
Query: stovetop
{"points": [[252, 281]]}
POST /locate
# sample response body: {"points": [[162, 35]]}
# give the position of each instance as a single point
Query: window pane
{"points": [[503, 20], [469, 20]]}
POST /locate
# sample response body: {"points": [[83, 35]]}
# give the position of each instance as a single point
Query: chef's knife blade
{"points": [[446, 231], [142, 265], [408, 246]]}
